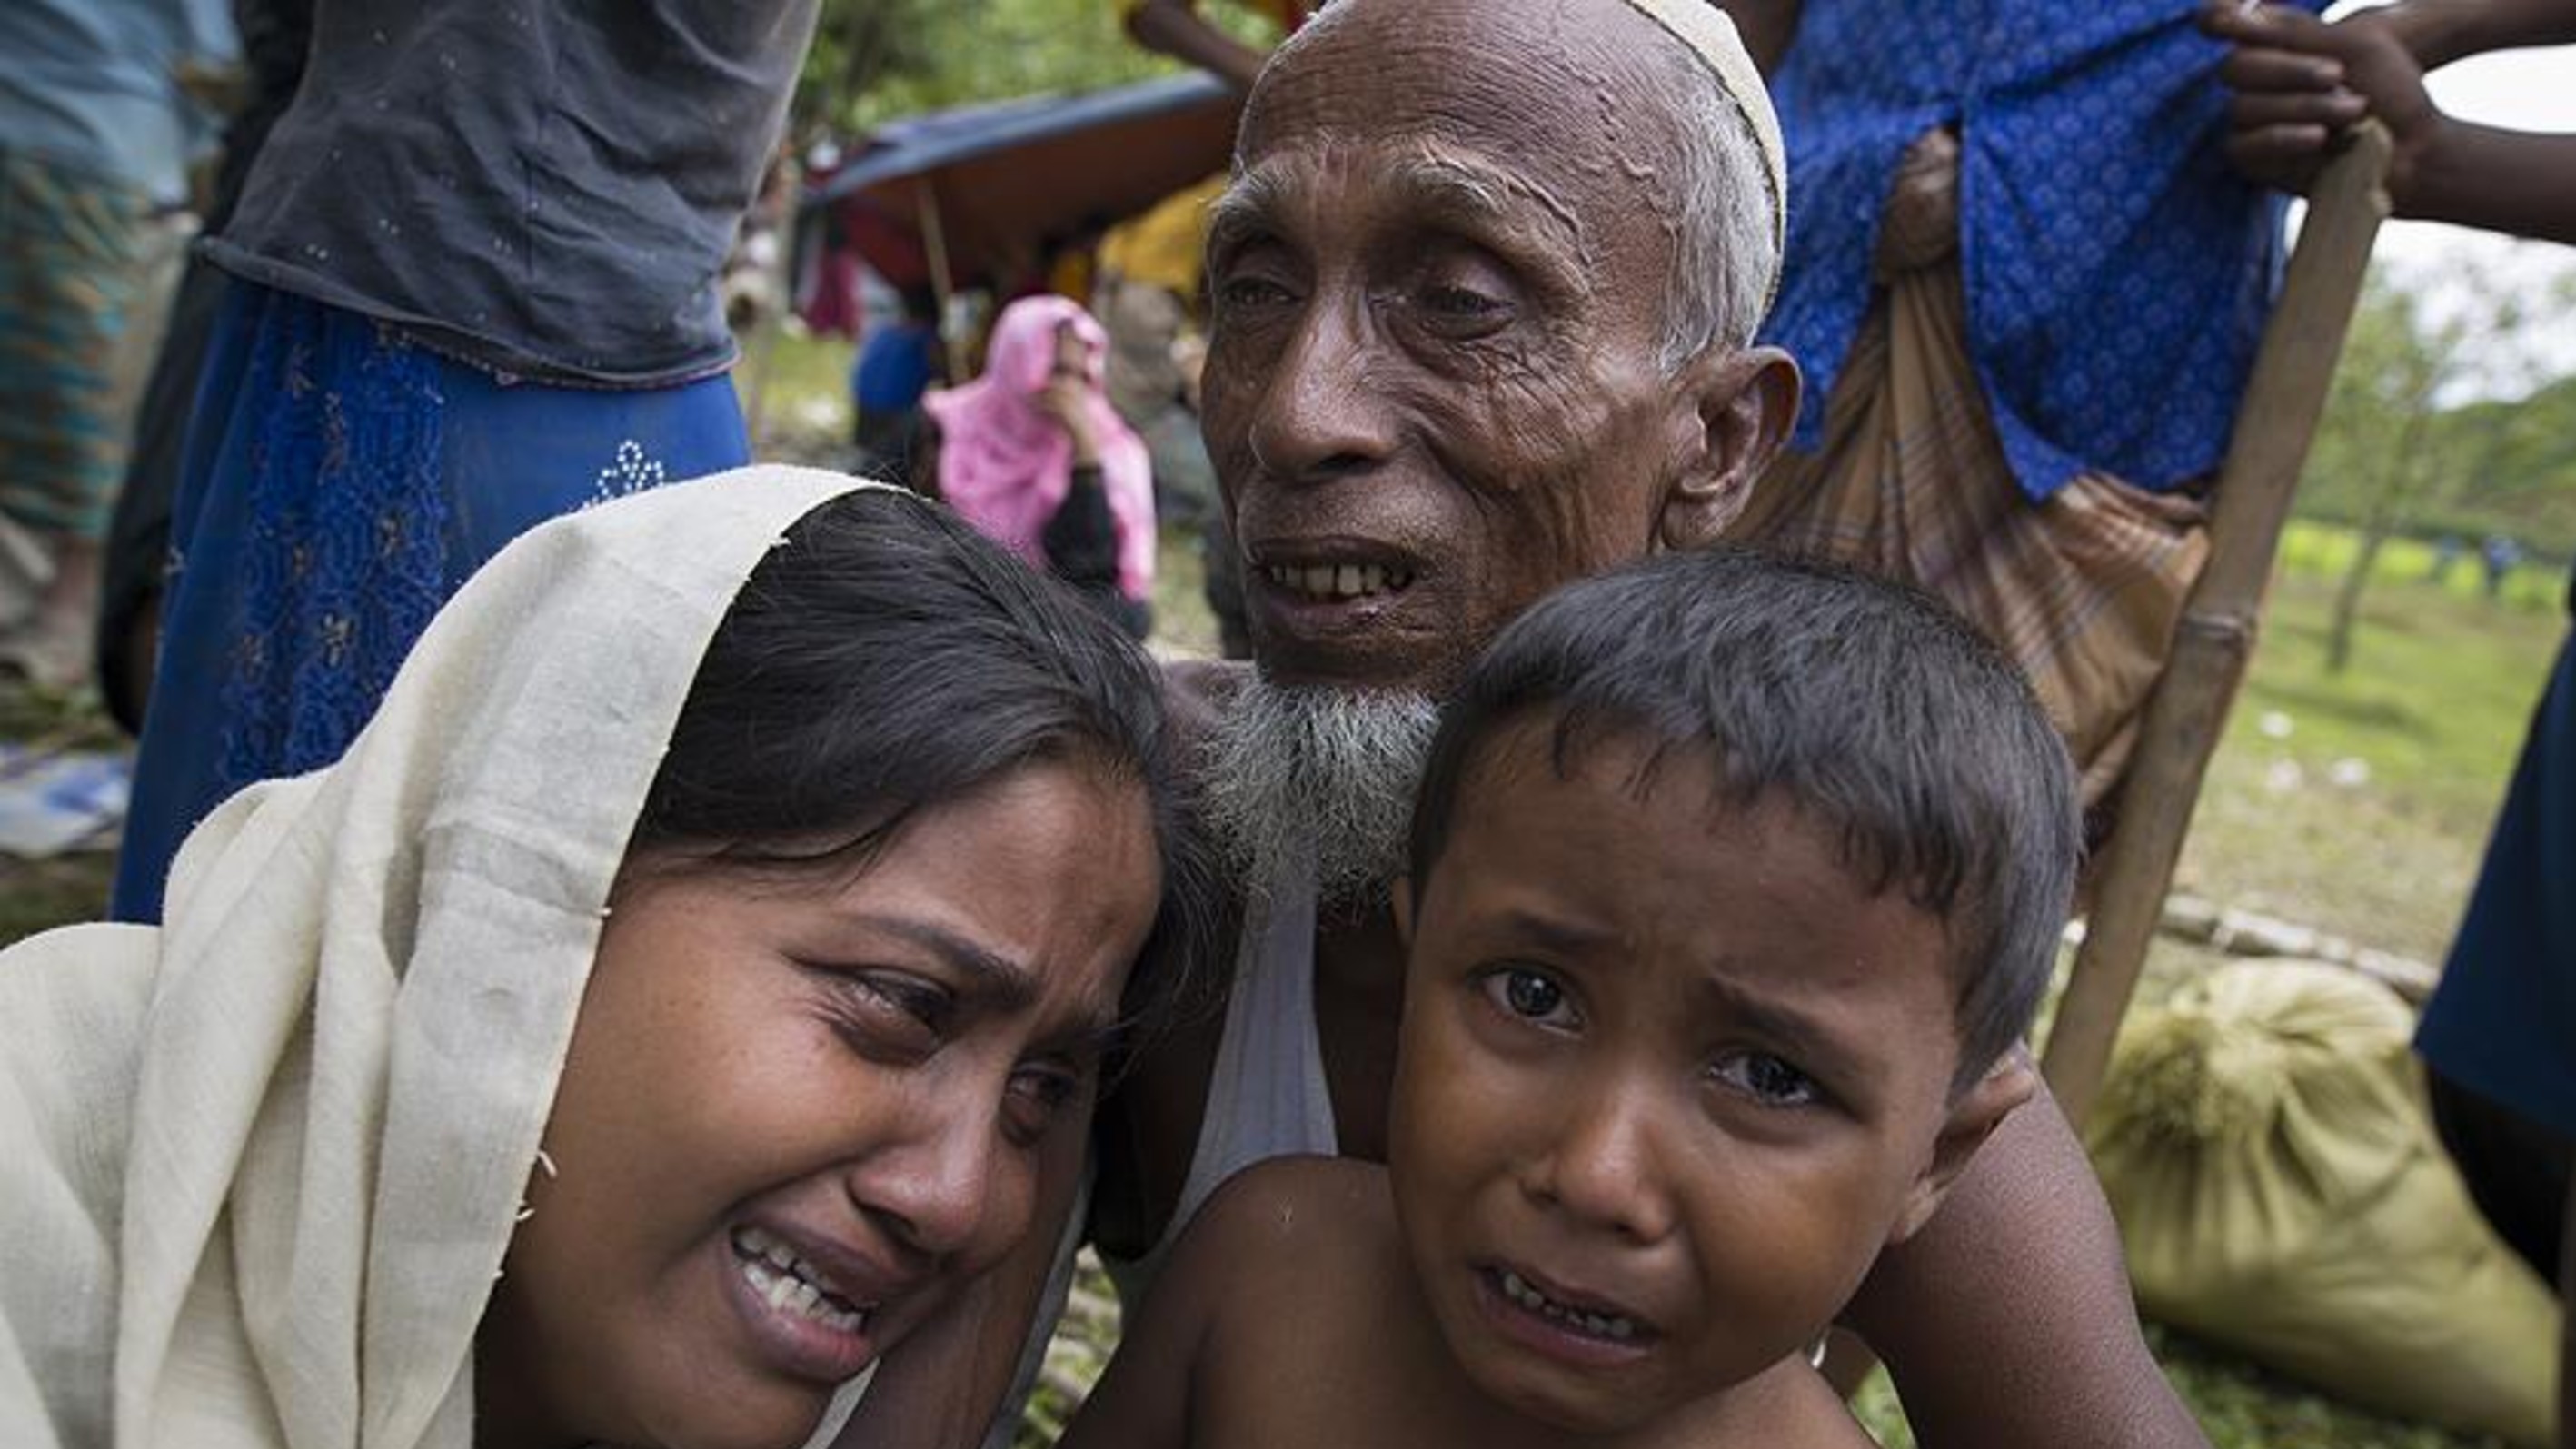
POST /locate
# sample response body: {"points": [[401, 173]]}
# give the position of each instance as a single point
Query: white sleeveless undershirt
{"points": [[1267, 1096]]}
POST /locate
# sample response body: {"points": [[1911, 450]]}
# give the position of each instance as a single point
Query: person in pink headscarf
{"points": [[1032, 454]]}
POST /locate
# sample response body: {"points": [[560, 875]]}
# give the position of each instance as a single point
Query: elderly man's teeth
{"points": [[790, 1284], [1611, 1326], [1338, 581]]}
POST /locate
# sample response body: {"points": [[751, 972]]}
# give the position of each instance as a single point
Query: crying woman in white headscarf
{"points": [[694, 979]]}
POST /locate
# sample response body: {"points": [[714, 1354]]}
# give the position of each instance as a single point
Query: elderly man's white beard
{"points": [[1323, 774]]}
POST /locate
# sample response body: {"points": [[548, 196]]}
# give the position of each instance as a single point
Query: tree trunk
{"points": [[2348, 592], [2387, 512]]}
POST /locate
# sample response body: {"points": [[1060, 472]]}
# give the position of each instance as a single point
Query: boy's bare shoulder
{"points": [[1300, 1203], [1791, 1407], [1304, 1334], [1277, 1232], [1827, 1423]]}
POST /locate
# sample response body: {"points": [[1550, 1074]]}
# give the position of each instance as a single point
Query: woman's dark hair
{"points": [[1868, 707], [885, 659]]}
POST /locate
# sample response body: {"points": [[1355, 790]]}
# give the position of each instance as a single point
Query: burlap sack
{"points": [[2265, 1144]]}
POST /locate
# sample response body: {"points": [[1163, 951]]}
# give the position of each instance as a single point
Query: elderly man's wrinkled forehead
{"points": [[1566, 104]]}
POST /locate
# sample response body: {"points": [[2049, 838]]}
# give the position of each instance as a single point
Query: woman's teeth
{"points": [[788, 1283], [1611, 1326], [1338, 581]]}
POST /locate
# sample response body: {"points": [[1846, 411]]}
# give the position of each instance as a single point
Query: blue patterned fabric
{"points": [[340, 482], [2117, 271]]}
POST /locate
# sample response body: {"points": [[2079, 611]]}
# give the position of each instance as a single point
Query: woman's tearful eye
{"points": [[886, 1014], [1531, 996], [1767, 1079], [1038, 1095]]}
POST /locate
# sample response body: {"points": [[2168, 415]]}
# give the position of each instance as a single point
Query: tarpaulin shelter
{"points": [[955, 197]]}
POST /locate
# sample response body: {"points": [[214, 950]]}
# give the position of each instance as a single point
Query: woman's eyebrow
{"points": [[1001, 981], [998, 983]]}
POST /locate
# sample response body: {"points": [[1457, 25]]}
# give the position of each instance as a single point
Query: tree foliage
{"points": [[874, 60], [2401, 451], [2483, 464]]}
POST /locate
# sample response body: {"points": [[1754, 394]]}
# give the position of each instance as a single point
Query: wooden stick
{"points": [[2284, 398], [934, 237]]}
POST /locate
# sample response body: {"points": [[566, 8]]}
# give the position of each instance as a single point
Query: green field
{"points": [[2355, 804], [2363, 810]]}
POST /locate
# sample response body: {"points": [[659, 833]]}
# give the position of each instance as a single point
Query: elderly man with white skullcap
{"points": [[1484, 288]]}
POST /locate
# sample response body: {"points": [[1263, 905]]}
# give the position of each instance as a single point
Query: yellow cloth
{"points": [[258, 1167], [1165, 247]]}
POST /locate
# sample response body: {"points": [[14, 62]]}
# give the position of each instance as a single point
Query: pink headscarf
{"points": [[1006, 467]]}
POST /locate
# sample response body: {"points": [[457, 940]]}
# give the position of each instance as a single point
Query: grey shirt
{"points": [[546, 188]]}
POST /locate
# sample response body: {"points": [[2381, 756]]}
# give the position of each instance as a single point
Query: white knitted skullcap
{"points": [[1711, 35]]}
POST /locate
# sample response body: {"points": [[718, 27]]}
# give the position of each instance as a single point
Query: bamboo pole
{"points": [[934, 241], [2284, 397]]}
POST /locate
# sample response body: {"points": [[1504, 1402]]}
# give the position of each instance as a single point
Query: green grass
{"points": [[2424, 724], [2324, 551], [796, 389]]}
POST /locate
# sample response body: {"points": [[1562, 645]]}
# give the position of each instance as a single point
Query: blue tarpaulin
{"points": [[1006, 180]]}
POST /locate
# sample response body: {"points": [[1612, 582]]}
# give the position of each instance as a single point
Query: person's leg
{"points": [[2566, 1326], [71, 269], [138, 537], [23, 571], [2517, 1170], [53, 650], [2496, 1037], [2518, 1173]]}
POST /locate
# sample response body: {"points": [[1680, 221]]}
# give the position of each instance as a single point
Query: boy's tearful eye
{"points": [[1766, 1079], [1531, 996]]}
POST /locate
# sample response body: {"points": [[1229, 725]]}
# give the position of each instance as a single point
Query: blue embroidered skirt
{"points": [[339, 483]]}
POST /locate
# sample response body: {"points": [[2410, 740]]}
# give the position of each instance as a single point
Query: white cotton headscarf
{"points": [[258, 1167]]}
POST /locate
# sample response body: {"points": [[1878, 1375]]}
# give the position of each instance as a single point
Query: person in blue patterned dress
{"points": [[472, 284], [2025, 287]]}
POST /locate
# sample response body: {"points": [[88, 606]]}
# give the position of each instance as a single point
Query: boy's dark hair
{"points": [[886, 659], [1867, 706]]}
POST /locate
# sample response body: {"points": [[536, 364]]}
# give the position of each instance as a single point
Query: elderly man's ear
{"points": [[1744, 403]]}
